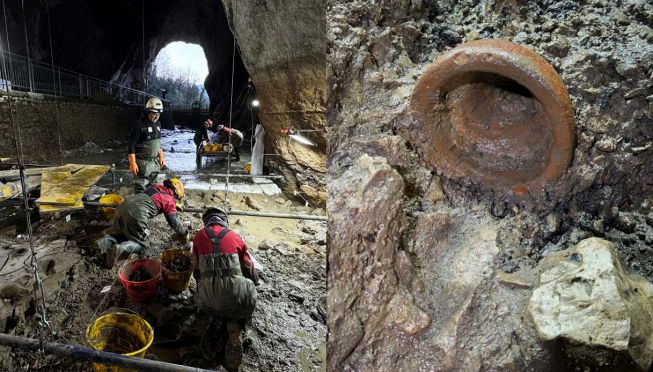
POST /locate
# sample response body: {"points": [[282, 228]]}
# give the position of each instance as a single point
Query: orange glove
{"points": [[162, 160], [133, 167]]}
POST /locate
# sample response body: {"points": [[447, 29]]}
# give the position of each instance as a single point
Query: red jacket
{"points": [[230, 243], [164, 200]]}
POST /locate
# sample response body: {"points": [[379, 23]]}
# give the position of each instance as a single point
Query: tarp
{"points": [[258, 151]]}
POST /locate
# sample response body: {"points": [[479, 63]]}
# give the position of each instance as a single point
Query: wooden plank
{"points": [[66, 189], [44, 208], [51, 194], [38, 171], [13, 189]]}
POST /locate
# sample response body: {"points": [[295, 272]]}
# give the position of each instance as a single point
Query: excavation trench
{"points": [[287, 329]]}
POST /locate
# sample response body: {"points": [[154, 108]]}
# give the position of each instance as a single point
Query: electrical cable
{"points": [[54, 84], [231, 102], [143, 40], [19, 147]]}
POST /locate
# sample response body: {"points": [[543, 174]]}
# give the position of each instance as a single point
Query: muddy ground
{"points": [[286, 332], [440, 246]]}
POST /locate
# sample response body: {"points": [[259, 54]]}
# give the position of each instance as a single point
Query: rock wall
{"points": [[282, 43], [35, 116], [466, 252]]}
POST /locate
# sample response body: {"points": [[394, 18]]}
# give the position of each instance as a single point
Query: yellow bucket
{"points": [[110, 199], [174, 281], [121, 333]]}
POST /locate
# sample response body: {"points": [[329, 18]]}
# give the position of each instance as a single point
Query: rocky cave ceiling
{"points": [[281, 44], [104, 39]]}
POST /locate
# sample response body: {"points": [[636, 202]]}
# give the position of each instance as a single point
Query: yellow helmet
{"points": [[176, 186], [154, 104]]}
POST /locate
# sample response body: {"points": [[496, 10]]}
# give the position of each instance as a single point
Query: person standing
{"points": [[146, 158], [226, 278], [233, 136], [201, 137]]}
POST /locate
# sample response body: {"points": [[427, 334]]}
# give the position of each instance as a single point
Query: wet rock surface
{"points": [[467, 254], [284, 55]]}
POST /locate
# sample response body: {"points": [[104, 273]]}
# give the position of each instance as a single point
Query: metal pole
{"points": [[225, 175], [84, 353], [232, 212], [60, 87], [30, 78], [268, 214]]}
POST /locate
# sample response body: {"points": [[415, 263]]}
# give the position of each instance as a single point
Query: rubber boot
{"points": [[130, 246], [233, 353], [105, 242], [210, 340]]}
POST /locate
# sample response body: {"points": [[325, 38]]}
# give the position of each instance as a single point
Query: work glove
{"points": [[133, 167], [162, 160], [179, 206]]}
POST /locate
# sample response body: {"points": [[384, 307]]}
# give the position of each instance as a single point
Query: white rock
{"points": [[588, 299]]}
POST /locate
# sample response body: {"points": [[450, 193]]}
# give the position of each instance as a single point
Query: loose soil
{"points": [[179, 264], [139, 275]]}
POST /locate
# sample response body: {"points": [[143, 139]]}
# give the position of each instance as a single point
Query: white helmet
{"points": [[154, 105]]}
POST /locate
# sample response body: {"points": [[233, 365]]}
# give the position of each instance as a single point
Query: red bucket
{"points": [[141, 291]]}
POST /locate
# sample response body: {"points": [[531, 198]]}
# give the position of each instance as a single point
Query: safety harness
{"points": [[227, 264]]}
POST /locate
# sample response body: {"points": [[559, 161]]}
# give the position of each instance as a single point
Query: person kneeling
{"points": [[226, 277], [130, 224]]}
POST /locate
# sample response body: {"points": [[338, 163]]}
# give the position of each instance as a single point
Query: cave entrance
{"points": [[178, 76]]}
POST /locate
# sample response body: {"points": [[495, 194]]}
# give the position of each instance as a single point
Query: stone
{"points": [[435, 193], [607, 144], [358, 308], [252, 204], [309, 229], [408, 317], [552, 224], [548, 26], [559, 47], [587, 298], [297, 297], [626, 222], [310, 192], [266, 245], [634, 93], [13, 291]]}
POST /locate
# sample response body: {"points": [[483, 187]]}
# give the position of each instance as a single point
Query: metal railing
{"points": [[38, 77], [189, 107]]}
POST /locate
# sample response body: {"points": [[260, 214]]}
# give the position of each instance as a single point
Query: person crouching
{"points": [[226, 277], [130, 224]]}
